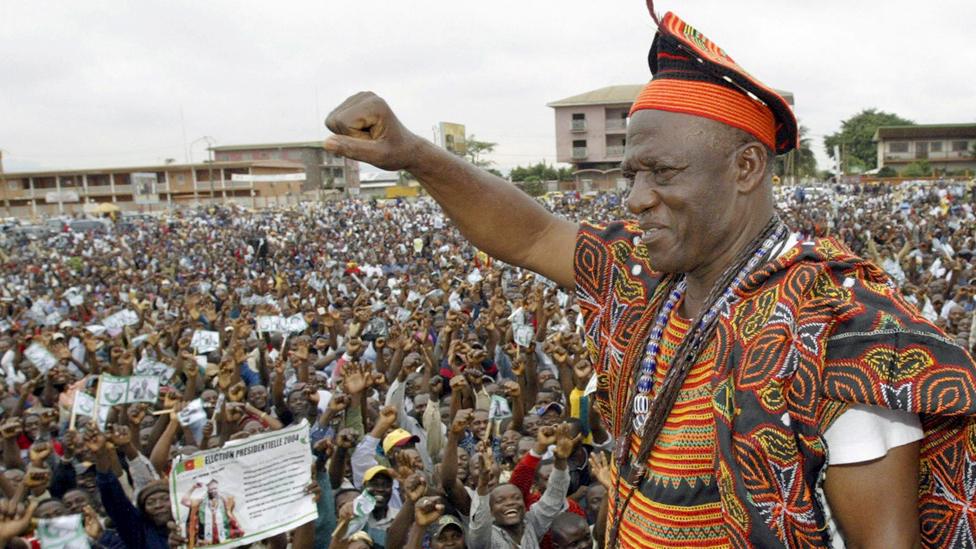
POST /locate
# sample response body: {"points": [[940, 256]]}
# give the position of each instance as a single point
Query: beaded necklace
{"points": [[645, 384], [644, 406]]}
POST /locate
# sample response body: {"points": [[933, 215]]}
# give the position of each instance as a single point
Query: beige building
{"points": [[591, 133], [252, 184], [324, 170], [946, 147]]}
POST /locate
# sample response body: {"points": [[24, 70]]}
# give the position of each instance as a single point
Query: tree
{"points": [[803, 157], [855, 138], [542, 172], [533, 186], [887, 171], [474, 149], [919, 168]]}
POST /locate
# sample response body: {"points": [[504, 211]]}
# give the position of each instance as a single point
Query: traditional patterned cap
{"points": [[692, 75]]}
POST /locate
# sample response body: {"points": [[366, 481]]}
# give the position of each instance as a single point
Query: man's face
{"points": [[479, 424], [507, 506], [381, 486], [510, 440], [298, 403], [420, 405], [50, 509], [75, 501], [683, 192], [32, 426], [524, 446], [257, 396], [212, 490], [158, 509], [450, 537], [595, 494], [572, 536]]}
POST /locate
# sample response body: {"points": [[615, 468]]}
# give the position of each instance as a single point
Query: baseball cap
{"points": [[376, 470], [398, 437], [445, 521], [551, 406]]}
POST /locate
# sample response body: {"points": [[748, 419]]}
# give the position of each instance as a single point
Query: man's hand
{"points": [[175, 539], [565, 441], [11, 428], [486, 462], [367, 130], [427, 512], [545, 436], [39, 451], [346, 439], [93, 527], [338, 403], [462, 420], [601, 469], [17, 523], [416, 487], [387, 419], [355, 378]]}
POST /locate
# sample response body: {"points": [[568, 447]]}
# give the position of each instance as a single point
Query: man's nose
{"points": [[641, 197]]}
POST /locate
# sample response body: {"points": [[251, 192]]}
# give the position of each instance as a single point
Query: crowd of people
{"points": [[452, 389]]}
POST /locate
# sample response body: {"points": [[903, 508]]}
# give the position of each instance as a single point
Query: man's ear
{"points": [[750, 167]]}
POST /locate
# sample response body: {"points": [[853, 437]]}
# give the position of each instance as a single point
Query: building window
{"points": [[898, 147], [935, 146], [960, 146], [579, 122]]}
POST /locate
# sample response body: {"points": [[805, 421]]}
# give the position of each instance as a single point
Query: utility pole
{"points": [[3, 184]]}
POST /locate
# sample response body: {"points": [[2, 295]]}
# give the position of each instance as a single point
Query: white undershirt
{"points": [[865, 433]]}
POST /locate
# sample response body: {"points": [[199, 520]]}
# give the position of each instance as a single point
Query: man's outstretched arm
{"points": [[490, 212]]}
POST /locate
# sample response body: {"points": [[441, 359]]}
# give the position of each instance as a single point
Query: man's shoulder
{"points": [[609, 232]]}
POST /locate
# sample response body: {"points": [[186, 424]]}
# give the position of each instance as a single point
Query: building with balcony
{"points": [[323, 169], [948, 148], [252, 184], [591, 134]]}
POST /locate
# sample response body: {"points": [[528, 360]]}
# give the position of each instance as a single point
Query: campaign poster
{"points": [[246, 491]]}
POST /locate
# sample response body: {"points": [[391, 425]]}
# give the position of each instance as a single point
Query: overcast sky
{"points": [[89, 84]]}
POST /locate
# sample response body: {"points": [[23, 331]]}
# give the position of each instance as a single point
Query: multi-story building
{"points": [[591, 133], [251, 183], [323, 169], [948, 148]]}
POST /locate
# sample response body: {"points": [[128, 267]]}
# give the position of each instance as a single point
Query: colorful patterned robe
{"points": [[806, 336]]}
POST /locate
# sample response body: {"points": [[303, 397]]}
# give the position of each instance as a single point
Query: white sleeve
{"points": [[863, 433]]}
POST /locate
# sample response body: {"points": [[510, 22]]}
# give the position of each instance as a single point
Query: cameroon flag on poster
{"points": [[190, 465]]}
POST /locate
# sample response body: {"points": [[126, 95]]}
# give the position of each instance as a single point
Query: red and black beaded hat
{"points": [[692, 75]]}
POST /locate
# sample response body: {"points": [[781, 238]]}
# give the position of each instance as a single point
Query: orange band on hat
{"points": [[713, 101]]}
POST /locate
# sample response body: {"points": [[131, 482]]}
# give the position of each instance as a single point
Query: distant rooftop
{"points": [[379, 176], [924, 131], [624, 94], [162, 168], [610, 95], [263, 146]]}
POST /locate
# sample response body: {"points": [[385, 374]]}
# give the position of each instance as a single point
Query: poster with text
{"points": [[245, 491]]}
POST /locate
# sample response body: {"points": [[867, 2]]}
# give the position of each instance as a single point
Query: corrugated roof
{"points": [[264, 146], [926, 131], [379, 176], [610, 95]]}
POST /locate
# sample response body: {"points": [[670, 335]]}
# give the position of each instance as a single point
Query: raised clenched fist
{"points": [[367, 130]]}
